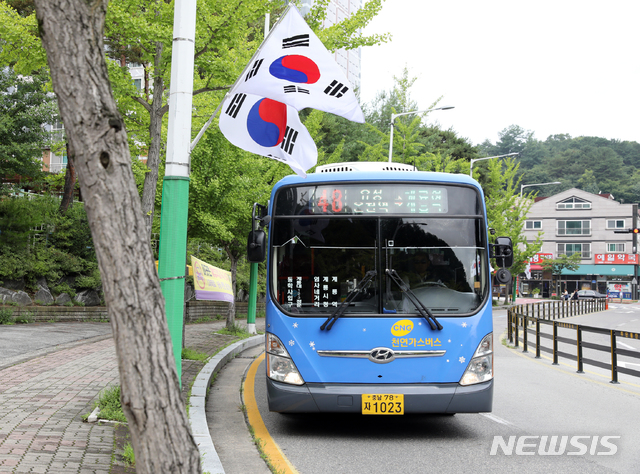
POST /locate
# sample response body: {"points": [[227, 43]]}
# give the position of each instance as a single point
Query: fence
{"points": [[196, 310], [531, 319]]}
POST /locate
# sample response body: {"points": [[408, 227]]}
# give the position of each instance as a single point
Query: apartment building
{"points": [[349, 61], [576, 221]]}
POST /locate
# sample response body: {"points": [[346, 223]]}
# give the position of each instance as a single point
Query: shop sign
{"points": [[616, 259]]}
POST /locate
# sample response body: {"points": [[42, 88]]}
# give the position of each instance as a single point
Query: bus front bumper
{"points": [[346, 398]]}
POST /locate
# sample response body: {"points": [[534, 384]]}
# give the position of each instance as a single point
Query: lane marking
{"points": [[497, 419], [627, 346], [269, 447]]}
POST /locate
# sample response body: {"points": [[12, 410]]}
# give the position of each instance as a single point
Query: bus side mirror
{"points": [[256, 246], [502, 251]]}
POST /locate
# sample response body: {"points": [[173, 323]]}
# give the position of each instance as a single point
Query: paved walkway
{"points": [[42, 402]]}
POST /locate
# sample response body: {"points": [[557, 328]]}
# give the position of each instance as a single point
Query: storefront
{"points": [[601, 278]]}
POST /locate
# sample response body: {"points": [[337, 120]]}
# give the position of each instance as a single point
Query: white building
{"points": [[349, 61], [575, 221]]}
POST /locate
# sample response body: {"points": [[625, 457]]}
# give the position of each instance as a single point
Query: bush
{"points": [[6, 316], [38, 241]]}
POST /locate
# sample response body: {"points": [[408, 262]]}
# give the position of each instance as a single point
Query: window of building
{"points": [[615, 248], [574, 227], [570, 249], [573, 203], [615, 224], [138, 84], [532, 225]]}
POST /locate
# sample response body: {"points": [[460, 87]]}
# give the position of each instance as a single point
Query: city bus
{"points": [[347, 327]]}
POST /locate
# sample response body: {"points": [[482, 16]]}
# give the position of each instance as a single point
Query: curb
{"points": [[197, 415]]}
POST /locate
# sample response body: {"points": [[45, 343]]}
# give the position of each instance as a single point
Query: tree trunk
{"points": [[72, 35], [69, 182], [153, 155], [231, 313]]}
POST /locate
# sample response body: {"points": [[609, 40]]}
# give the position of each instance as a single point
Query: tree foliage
{"points": [[507, 212], [26, 106], [593, 164]]}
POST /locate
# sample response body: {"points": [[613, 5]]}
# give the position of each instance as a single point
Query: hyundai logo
{"points": [[381, 355]]}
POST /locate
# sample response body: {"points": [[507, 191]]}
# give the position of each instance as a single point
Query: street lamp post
{"points": [[393, 117], [487, 158], [522, 186]]}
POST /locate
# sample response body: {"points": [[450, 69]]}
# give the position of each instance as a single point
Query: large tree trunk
{"points": [[72, 34]]}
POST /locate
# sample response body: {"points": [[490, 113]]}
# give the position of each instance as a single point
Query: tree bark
{"points": [[72, 35], [153, 154], [69, 182]]}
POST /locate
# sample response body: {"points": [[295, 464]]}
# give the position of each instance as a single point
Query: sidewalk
{"points": [[42, 402]]}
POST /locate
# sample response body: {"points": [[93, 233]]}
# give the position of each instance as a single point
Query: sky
{"points": [[551, 67]]}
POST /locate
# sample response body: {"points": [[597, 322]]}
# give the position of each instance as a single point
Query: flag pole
{"points": [[175, 188]]}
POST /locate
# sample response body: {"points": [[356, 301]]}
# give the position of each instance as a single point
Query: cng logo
{"points": [[402, 327]]}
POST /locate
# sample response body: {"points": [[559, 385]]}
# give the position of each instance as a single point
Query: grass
{"points": [[25, 318], [109, 404], [236, 330], [128, 455], [192, 354]]}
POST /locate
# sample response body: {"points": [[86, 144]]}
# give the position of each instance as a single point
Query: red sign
{"points": [[539, 257], [616, 259]]}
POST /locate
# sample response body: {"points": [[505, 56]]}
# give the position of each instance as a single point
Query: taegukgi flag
{"points": [[269, 128], [292, 66]]}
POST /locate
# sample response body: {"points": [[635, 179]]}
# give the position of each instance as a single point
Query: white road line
{"points": [[627, 346], [497, 419]]}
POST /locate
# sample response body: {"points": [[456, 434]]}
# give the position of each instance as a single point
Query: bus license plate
{"points": [[382, 404]]}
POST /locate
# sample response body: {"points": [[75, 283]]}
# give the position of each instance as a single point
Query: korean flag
{"points": [[292, 66], [268, 128]]}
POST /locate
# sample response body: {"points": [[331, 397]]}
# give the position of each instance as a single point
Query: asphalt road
{"points": [[532, 398]]}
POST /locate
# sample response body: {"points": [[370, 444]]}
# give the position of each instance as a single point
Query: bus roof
{"points": [[376, 171]]}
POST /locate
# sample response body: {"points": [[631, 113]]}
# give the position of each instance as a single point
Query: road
{"points": [[533, 401]]}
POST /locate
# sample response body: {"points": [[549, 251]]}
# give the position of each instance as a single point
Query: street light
{"points": [[487, 158], [522, 186], [393, 117]]}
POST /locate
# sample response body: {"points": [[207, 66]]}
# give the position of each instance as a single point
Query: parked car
{"points": [[589, 295]]}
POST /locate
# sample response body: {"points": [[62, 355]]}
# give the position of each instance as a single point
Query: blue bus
{"points": [[351, 326]]}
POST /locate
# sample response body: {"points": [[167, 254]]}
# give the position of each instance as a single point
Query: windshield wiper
{"points": [[422, 309], [345, 304]]}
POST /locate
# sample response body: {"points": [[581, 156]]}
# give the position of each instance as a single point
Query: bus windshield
{"points": [[321, 251]]}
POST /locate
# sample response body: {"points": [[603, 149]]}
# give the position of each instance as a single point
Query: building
{"points": [[576, 221], [349, 61]]}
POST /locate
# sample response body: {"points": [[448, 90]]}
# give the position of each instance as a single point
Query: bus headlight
{"points": [[480, 368], [280, 367]]}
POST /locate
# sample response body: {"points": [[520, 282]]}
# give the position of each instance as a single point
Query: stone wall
{"points": [[195, 310]]}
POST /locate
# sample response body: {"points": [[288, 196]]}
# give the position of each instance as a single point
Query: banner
{"points": [[211, 283]]}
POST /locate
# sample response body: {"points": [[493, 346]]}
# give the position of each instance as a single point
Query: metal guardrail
{"points": [[526, 320]]}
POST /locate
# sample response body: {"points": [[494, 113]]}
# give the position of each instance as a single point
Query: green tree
{"points": [[221, 196], [507, 212], [26, 107], [139, 32], [557, 265]]}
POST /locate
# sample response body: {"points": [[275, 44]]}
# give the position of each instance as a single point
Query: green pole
{"points": [[172, 257], [253, 296], [175, 188]]}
